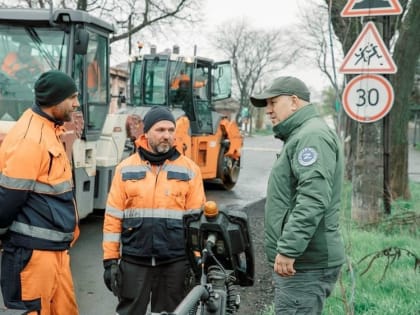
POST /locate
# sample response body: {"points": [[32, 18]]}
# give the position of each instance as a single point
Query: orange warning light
{"points": [[210, 209]]}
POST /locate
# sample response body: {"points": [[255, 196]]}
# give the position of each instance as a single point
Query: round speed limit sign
{"points": [[368, 98]]}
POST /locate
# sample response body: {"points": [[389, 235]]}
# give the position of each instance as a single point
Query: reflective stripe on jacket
{"points": [[145, 207], [36, 189]]}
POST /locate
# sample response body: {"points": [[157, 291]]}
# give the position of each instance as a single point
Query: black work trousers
{"points": [[163, 286]]}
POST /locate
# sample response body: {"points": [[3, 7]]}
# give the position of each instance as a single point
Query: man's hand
{"points": [[283, 265], [111, 275]]}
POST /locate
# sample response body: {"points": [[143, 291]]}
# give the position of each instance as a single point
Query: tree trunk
{"points": [[367, 169], [407, 51], [367, 174], [259, 122], [367, 177]]}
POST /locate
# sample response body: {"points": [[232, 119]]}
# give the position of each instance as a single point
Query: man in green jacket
{"points": [[302, 237]]}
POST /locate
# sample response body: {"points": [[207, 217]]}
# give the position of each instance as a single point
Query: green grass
{"points": [[385, 288]]}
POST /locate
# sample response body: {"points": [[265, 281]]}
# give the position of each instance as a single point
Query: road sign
{"points": [[355, 8], [368, 98], [368, 54]]}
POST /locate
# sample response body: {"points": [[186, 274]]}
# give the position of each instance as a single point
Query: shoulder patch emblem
{"points": [[307, 156]]}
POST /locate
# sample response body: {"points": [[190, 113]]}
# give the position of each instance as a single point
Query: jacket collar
{"points": [[284, 129], [38, 110], [155, 159]]}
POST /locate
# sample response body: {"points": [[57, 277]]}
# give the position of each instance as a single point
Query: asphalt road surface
{"points": [[93, 297]]}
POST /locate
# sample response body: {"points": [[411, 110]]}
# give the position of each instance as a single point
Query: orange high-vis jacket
{"points": [[11, 64], [182, 80], [143, 216], [36, 188], [93, 75]]}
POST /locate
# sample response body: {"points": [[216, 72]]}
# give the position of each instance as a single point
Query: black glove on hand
{"points": [[111, 275]]}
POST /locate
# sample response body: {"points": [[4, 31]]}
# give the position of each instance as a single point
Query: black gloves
{"points": [[111, 275]]}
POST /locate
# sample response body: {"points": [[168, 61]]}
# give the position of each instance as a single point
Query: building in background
{"points": [[119, 88]]}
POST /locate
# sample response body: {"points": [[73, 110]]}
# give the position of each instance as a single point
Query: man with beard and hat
{"points": [[38, 214], [143, 243]]}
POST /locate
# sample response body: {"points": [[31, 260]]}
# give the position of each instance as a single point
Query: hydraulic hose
{"points": [[198, 293]]}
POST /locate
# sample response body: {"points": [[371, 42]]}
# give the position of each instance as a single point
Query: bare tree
{"points": [[403, 83], [368, 140], [317, 43], [135, 15], [255, 54], [367, 152], [142, 14]]}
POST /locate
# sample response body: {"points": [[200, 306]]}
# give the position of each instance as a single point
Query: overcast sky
{"points": [[269, 14], [263, 13]]}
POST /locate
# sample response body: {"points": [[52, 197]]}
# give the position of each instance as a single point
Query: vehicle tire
{"points": [[227, 170]]}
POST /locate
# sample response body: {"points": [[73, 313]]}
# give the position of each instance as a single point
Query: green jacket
{"points": [[303, 193]]}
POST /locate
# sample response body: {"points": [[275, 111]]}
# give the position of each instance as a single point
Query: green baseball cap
{"points": [[282, 86]]}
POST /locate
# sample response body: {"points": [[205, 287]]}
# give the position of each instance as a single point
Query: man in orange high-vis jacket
{"points": [[144, 250], [21, 65], [181, 81], [93, 76], [37, 207]]}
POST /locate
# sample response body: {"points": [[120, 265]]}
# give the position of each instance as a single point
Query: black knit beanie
{"points": [[53, 87], [155, 114]]}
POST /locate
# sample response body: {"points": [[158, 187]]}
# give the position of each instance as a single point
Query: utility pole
{"points": [[386, 131]]}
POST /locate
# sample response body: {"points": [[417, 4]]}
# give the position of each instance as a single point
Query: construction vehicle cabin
{"points": [[191, 86], [78, 44]]}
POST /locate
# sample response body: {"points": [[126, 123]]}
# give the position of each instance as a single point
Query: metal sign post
{"points": [[386, 135]]}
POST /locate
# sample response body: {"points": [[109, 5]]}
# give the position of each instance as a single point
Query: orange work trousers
{"points": [[45, 278]]}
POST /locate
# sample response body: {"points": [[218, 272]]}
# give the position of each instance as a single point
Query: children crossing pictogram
{"points": [[368, 54]]}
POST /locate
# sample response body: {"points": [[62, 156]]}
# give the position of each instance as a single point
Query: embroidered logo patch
{"points": [[307, 156]]}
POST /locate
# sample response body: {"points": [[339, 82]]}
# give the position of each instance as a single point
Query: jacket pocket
{"points": [[133, 179], [178, 193], [175, 235], [58, 165], [136, 239], [130, 228], [286, 214]]}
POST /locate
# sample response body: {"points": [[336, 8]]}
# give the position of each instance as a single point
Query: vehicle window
{"points": [[155, 77], [136, 82], [97, 80], [24, 54]]}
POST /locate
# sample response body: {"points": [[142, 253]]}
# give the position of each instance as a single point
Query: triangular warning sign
{"points": [[371, 7], [368, 54]]}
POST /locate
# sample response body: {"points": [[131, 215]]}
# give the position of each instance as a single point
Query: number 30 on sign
{"points": [[368, 98]]}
